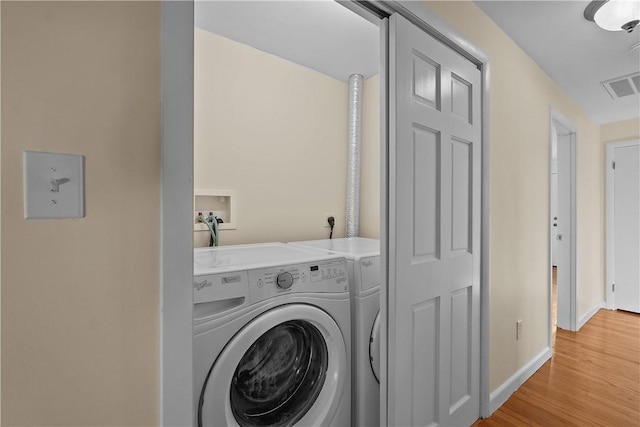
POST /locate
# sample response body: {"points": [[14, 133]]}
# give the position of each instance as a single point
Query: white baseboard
{"points": [[502, 393], [584, 319]]}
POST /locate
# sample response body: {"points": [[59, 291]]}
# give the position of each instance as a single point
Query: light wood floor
{"points": [[593, 379]]}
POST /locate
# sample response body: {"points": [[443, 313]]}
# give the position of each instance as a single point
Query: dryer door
{"points": [[287, 366], [374, 348]]}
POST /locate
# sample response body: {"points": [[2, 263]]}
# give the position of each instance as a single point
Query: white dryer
{"points": [[272, 339], [363, 264]]}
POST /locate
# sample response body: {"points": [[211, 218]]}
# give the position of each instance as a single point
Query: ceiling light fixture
{"points": [[614, 15]]}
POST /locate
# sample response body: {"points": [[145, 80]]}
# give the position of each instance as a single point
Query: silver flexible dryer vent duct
{"points": [[353, 155]]}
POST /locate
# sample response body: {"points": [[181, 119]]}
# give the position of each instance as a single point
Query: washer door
{"points": [[374, 348], [286, 367]]}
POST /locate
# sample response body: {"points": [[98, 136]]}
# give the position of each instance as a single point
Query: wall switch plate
{"points": [[53, 185]]}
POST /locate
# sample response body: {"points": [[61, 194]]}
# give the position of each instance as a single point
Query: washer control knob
{"points": [[284, 280]]}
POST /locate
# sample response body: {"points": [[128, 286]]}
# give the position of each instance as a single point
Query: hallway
{"points": [[593, 378]]}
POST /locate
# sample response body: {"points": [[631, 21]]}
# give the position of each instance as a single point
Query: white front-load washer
{"points": [[272, 338], [363, 264]]}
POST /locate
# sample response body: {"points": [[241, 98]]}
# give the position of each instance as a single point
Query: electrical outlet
{"points": [[518, 329], [325, 217]]}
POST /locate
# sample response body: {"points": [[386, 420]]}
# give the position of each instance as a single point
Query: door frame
{"points": [[610, 254], [176, 174], [176, 211], [558, 120]]}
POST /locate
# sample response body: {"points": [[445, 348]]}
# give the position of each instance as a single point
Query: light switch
{"points": [[53, 185]]}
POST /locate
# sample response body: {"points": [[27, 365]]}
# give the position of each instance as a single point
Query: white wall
{"points": [[276, 133]]}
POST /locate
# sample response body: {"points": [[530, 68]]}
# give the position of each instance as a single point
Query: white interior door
{"points": [[626, 226], [434, 231]]}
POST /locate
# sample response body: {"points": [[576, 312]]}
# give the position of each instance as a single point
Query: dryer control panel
{"points": [[321, 277], [369, 273]]}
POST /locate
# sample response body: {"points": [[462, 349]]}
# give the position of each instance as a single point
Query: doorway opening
{"points": [[272, 93], [177, 200], [562, 226]]}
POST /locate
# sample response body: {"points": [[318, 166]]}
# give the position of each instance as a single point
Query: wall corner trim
{"points": [[589, 314], [500, 395], [176, 402]]}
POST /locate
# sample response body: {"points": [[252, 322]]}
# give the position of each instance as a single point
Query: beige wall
{"points": [[80, 297], [620, 131], [521, 95], [274, 132]]}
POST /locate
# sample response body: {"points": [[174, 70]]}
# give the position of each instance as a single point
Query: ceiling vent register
{"points": [[622, 86]]}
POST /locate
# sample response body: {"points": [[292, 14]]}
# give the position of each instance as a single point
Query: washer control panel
{"points": [[322, 276]]}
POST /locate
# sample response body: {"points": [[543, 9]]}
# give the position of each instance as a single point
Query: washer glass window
{"points": [[280, 377]]}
